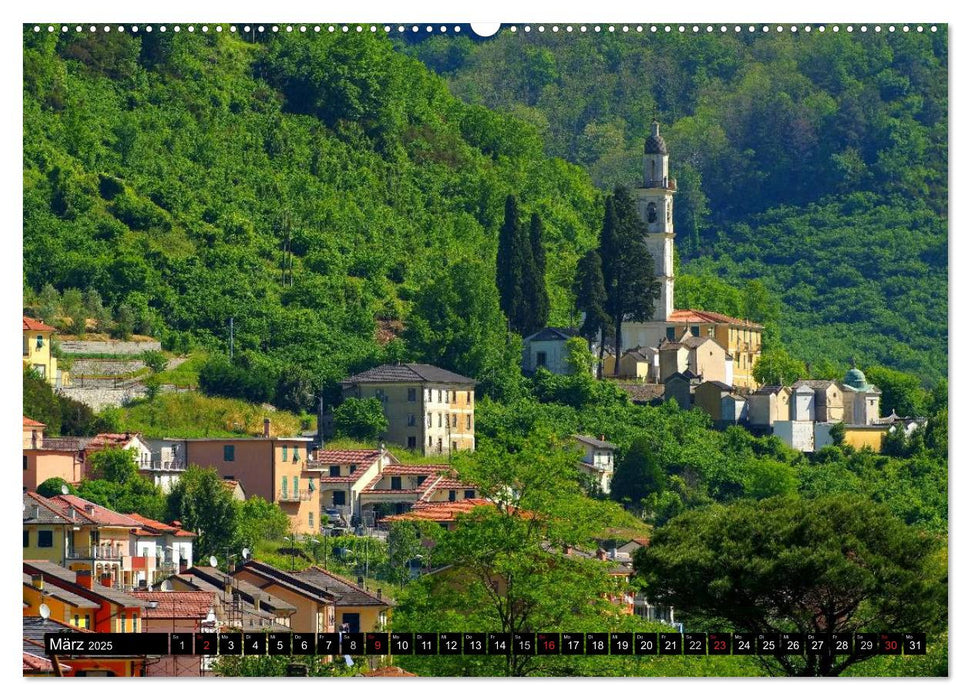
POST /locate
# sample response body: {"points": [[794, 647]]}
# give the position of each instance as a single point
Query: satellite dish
{"points": [[245, 552], [166, 586], [65, 490], [213, 562], [45, 612]]}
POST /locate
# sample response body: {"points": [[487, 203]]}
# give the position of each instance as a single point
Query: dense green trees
{"points": [[521, 271], [361, 419], [845, 564], [628, 269], [167, 174], [814, 163], [205, 506]]}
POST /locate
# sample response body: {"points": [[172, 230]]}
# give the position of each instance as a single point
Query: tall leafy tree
{"points": [[628, 268], [826, 565], [205, 506]]}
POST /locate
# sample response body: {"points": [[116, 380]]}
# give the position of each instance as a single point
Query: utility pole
{"points": [[231, 338]]}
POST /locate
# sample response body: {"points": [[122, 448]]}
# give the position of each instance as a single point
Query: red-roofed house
{"points": [[80, 535], [46, 461], [362, 482], [37, 353], [445, 514], [160, 550], [344, 474], [183, 612]]}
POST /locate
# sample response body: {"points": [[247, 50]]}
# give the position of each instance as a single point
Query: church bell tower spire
{"points": [[655, 204]]}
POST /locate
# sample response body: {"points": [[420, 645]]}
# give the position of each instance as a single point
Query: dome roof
{"points": [[655, 142], [856, 379]]}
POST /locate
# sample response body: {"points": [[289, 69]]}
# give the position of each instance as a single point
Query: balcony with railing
{"points": [[163, 465], [99, 553], [295, 496]]}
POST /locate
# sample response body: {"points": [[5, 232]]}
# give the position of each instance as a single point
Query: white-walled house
{"points": [[547, 348], [597, 460], [159, 550], [167, 463]]}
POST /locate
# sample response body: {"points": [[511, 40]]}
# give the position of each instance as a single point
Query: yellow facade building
{"points": [[37, 353], [428, 408]]}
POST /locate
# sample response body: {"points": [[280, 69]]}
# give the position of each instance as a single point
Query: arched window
{"points": [[651, 212]]}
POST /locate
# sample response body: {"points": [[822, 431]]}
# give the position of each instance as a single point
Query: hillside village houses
{"points": [[38, 337], [428, 408], [739, 340]]}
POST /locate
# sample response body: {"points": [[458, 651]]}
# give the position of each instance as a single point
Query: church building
{"points": [[741, 339]]}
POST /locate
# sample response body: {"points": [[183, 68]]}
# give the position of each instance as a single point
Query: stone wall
{"points": [[112, 347]]}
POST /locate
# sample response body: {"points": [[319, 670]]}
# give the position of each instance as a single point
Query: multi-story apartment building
{"points": [[274, 468], [428, 408]]}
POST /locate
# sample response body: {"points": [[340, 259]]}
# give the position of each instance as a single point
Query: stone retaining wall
{"points": [[112, 347]]}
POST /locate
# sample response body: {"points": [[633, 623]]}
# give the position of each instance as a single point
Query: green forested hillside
{"points": [[815, 163], [330, 193], [170, 173]]}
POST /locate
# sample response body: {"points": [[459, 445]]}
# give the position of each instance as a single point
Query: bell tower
{"points": [[655, 204]]}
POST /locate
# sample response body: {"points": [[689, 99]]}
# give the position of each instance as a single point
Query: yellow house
{"points": [[65, 606], [314, 605], [428, 408], [81, 536], [37, 352]]}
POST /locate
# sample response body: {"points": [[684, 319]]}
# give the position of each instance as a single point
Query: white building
{"points": [[547, 348], [597, 460]]}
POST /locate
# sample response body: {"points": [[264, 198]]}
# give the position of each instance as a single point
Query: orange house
{"points": [[274, 468], [43, 462]]}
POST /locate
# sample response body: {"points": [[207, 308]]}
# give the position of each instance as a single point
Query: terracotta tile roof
{"points": [[104, 440], [698, 316], [325, 458], [155, 527], [92, 512], [193, 605], [410, 373], [440, 512], [38, 664], [30, 423], [32, 324], [388, 672], [450, 484], [340, 479], [415, 469]]}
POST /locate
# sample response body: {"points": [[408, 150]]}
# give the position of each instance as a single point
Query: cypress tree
{"points": [[591, 299], [628, 266], [521, 275], [536, 300], [506, 280]]}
